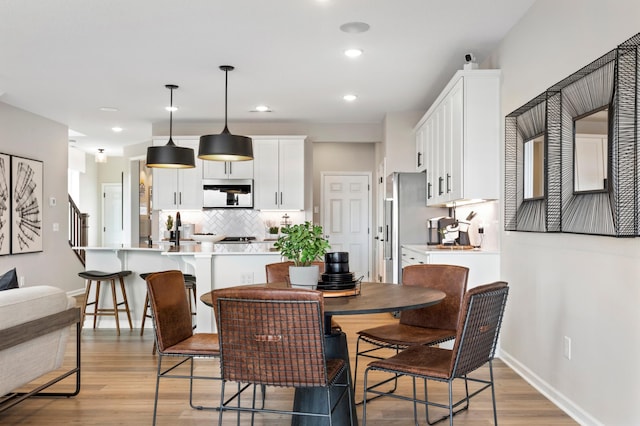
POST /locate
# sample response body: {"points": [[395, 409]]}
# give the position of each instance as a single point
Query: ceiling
{"points": [[65, 59]]}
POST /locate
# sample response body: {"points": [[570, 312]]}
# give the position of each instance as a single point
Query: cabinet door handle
{"points": [[175, 198], [230, 168], [276, 193], [281, 198], [448, 183], [440, 180], [225, 168], [419, 159], [429, 190], [180, 197]]}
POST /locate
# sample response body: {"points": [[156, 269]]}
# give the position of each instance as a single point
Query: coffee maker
{"points": [[435, 226]]}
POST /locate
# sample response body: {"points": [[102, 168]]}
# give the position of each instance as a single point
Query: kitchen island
{"points": [[226, 265]]}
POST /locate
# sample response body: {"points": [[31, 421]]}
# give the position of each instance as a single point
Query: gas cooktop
{"points": [[237, 240]]}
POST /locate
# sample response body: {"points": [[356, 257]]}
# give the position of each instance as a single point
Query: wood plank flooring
{"points": [[118, 384]]}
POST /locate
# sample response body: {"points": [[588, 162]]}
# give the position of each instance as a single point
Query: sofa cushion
{"points": [[9, 280]]}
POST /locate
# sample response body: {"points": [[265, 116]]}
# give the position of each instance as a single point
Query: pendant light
{"points": [[225, 146], [101, 157], [170, 156]]}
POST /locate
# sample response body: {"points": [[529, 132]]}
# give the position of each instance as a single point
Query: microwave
{"points": [[227, 193]]}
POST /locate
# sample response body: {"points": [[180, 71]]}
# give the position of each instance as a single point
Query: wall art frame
{"points": [[26, 205], [5, 204]]}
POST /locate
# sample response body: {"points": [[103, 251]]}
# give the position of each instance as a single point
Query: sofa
{"points": [[34, 330]]}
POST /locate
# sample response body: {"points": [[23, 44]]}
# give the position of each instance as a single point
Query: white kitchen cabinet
{"points": [[227, 169], [460, 137], [279, 173], [484, 267], [178, 188]]}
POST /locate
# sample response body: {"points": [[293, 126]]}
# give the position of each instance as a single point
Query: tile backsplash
{"points": [[230, 222]]}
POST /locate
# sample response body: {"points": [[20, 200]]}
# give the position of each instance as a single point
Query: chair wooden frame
{"points": [[174, 333], [476, 341], [275, 337], [427, 326]]}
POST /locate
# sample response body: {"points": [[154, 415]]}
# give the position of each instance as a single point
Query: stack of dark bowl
{"points": [[336, 274]]}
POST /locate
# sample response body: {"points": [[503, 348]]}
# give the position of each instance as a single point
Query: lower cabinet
{"points": [[484, 267]]}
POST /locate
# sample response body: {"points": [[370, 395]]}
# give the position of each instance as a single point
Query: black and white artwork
{"points": [[26, 205], [5, 204]]}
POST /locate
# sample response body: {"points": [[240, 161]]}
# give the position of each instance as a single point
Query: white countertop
{"points": [[252, 248], [427, 249]]}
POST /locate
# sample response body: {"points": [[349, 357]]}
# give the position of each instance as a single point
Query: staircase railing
{"points": [[78, 226]]}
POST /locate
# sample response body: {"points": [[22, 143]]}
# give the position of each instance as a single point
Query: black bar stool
{"points": [[98, 277]]}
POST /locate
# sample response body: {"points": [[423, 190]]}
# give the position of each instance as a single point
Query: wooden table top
{"points": [[373, 298]]}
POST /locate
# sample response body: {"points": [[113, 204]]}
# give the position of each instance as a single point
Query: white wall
{"points": [[31, 136], [583, 287]]}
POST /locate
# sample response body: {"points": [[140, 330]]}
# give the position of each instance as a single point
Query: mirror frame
{"points": [[609, 81], [540, 214]]}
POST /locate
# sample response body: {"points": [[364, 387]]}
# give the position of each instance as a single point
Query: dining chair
{"points": [[279, 272], [426, 326], [174, 333], [275, 337], [475, 344]]}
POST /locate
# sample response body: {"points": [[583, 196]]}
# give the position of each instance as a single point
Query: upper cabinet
{"points": [[457, 140], [178, 188], [227, 170], [278, 168]]}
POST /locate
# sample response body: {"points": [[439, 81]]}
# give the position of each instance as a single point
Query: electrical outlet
{"points": [[247, 278], [567, 347], [21, 281], [56, 227]]}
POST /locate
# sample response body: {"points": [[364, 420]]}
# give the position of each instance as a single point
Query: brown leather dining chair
{"points": [[275, 337], [475, 344], [426, 326], [174, 333], [279, 272]]}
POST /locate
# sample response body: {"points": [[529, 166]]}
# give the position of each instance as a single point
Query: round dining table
{"points": [[367, 298]]}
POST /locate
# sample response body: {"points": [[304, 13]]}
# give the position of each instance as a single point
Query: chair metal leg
{"points": [[155, 402], [355, 371], [144, 313], [126, 302], [493, 394]]}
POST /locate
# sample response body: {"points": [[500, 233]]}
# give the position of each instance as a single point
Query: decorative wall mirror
{"points": [[529, 145], [590, 151], [533, 167], [588, 125], [598, 122]]}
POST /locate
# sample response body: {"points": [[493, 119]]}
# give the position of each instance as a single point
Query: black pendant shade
{"points": [[170, 156], [225, 146]]}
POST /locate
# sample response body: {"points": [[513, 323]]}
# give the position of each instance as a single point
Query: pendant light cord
{"points": [[171, 117], [226, 84]]}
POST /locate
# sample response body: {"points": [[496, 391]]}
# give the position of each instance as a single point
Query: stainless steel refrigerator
{"points": [[405, 218]]}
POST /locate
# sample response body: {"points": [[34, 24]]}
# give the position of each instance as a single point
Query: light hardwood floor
{"points": [[118, 383]]}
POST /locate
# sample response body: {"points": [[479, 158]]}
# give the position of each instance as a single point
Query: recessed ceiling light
{"points": [[263, 108], [109, 109], [353, 53], [117, 129], [355, 27], [350, 97], [171, 108]]}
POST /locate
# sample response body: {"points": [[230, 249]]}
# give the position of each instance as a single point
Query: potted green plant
{"points": [[302, 244], [169, 225]]}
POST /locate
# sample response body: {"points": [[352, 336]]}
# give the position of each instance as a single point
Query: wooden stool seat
{"points": [[98, 277]]}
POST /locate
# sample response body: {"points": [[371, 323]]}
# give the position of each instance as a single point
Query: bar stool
{"points": [[98, 277], [189, 285]]}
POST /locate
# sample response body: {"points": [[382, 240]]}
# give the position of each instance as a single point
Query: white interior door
{"points": [[112, 232], [346, 218]]}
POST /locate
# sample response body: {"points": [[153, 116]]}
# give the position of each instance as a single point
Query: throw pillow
{"points": [[9, 280]]}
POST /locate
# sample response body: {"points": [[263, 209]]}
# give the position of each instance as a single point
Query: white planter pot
{"points": [[304, 276]]}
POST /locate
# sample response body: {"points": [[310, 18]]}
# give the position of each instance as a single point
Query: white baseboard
{"points": [[552, 394]]}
